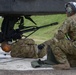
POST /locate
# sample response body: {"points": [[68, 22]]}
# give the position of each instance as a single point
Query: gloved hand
{"points": [[59, 35], [41, 46]]}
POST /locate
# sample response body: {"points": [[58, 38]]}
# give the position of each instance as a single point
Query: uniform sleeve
{"points": [[60, 34]]}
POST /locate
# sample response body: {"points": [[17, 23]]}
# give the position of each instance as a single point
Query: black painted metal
{"points": [[32, 7]]}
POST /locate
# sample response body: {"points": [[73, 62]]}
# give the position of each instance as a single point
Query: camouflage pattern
{"points": [[26, 48], [63, 48], [42, 52]]}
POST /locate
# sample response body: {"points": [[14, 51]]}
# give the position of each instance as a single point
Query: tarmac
{"points": [[22, 66]]}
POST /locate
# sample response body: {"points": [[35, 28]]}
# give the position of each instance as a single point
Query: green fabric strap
{"points": [[35, 64]]}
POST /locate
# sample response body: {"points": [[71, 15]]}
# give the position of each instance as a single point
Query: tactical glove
{"points": [[41, 46]]}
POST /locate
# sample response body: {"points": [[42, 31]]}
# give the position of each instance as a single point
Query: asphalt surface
{"points": [[38, 72], [20, 66]]}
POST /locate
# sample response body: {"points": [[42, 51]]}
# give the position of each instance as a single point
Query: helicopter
{"points": [[13, 11]]}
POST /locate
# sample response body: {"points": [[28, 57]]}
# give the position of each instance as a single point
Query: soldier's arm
{"points": [[60, 34], [63, 30]]}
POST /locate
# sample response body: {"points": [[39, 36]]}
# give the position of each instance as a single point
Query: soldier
{"points": [[23, 48], [26, 48], [64, 49]]}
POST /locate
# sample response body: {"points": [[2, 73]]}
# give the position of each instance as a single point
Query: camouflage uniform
{"points": [[65, 50], [26, 48]]}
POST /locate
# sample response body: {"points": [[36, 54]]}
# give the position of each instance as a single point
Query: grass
{"points": [[45, 33], [48, 32]]}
